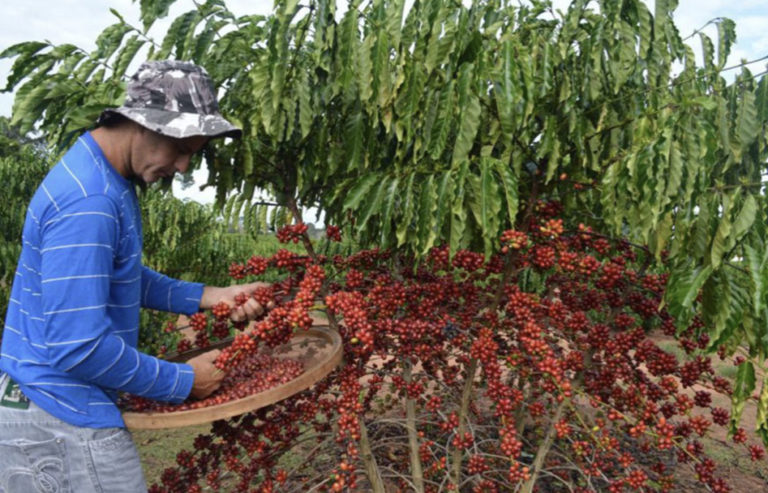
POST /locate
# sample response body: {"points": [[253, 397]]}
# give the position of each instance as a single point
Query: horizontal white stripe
{"points": [[84, 213], [59, 402], [42, 363], [65, 343], [123, 306], [15, 302], [56, 384], [68, 278], [126, 281], [77, 245], [125, 331], [17, 331], [14, 331], [68, 310], [37, 319], [30, 269], [126, 259], [101, 403]]}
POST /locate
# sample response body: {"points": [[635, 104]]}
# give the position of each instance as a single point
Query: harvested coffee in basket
{"points": [[255, 373]]}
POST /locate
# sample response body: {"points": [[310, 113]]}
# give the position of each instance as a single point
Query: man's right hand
{"points": [[207, 377]]}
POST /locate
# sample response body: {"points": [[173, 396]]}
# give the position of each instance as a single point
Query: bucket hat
{"points": [[173, 98]]}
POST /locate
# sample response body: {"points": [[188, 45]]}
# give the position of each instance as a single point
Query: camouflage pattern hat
{"points": [[174, 98]]}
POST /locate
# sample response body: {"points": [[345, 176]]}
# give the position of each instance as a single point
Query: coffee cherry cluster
{"points": [[279, 324], [333, 233], [293, 232], [221, 311], [563, 343]]}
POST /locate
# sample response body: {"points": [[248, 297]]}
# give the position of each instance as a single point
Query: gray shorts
{"points": [[42, 454]]}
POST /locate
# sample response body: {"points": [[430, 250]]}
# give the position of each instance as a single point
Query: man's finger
{"points": [[255, 307]]}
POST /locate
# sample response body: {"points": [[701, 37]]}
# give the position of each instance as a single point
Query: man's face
{"points": [[155, 156]]}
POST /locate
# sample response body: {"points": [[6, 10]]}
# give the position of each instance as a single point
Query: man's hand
{"points": [[248, 311], [207, 377]]}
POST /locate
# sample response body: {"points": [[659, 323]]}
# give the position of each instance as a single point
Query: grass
{"points": [[158, 448]]}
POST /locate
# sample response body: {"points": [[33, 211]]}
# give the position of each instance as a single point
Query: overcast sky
{"points": [[80, 21]]}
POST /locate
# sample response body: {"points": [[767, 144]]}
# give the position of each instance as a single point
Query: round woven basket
{"points": [[318, 349]]}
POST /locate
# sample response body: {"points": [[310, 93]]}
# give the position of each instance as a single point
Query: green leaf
{"points": [[306, 112], [27, 62], [761, 423], [490, 205], [458, 213], [109, 39], [390, 201], [742, 390], [373, 202], [683, 287], [176, 35], [427, 215], [747, 125], [506, 89], [509, 185], [756, 266], [27, 48], [724, 228], [469, 121], [708, 50], [444, 122], [744, 220], [355, 139], [151, 10], [726, 35], [408, 201], [126, 55]]}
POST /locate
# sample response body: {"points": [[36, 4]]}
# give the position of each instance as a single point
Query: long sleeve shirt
{"points": [[73, 319]]}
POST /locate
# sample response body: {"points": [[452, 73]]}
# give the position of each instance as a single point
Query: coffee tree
{"points": [[543, 190], [23, 164]]}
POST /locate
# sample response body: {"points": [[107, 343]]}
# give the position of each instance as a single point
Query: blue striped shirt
{"points": [[73, 319]]}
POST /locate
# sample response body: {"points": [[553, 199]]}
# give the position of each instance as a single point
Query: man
{"points": [[69, 344]]}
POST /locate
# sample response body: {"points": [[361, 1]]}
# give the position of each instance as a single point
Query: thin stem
{"points": [[541, 454], [413, 439], [372, 470]]}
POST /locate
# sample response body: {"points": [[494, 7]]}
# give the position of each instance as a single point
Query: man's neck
{"points": [[115, 144]]}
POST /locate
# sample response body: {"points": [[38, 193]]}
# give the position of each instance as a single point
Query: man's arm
{"points": [[161, 292], [77, 262]]}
